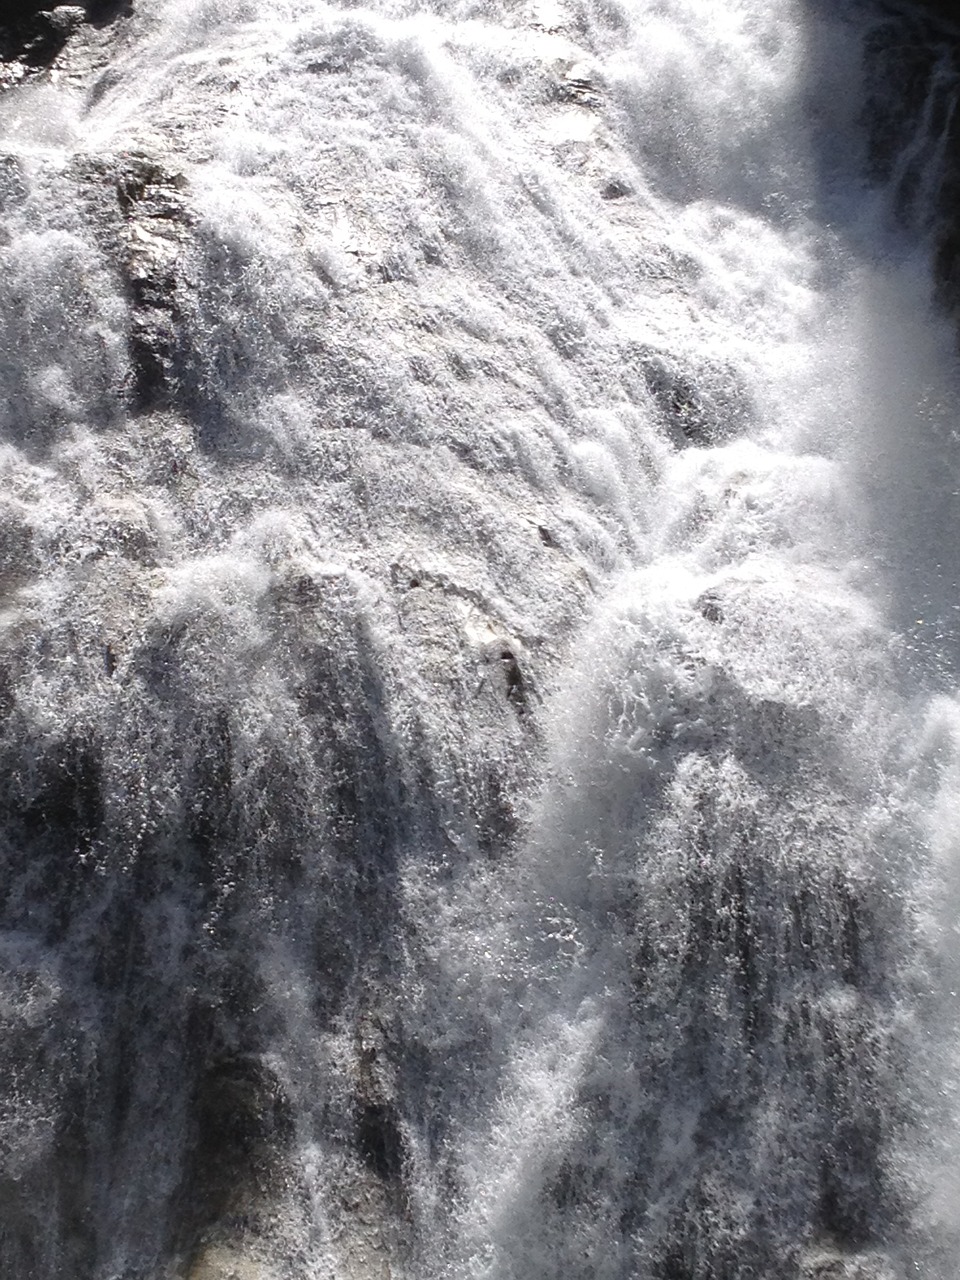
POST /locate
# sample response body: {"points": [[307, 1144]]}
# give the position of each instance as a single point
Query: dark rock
{"points": [[516, 686], [66, 811], [832, 1264], [34, 34], [21, 10], [379, 1140], [7, 695], [208, 782], [155, 215], [243, 1125], [943, 10], [18, 553], [710, 606], [65, 18], [912, 65], [395, 267], [616, 189], [13, 184], [575, 85], [700, 406], [241, 1109], [694, 1251]]}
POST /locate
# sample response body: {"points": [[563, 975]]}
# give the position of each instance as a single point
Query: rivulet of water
{"points": [[480, 742]]}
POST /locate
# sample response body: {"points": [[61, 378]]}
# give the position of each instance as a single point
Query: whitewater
{"points": [[479, 712]]}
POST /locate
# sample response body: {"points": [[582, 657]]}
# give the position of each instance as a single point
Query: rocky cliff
{"points": [[913, 70], [331, 410]]}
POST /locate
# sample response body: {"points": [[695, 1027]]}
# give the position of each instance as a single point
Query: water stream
{"points": [[478, 650]]}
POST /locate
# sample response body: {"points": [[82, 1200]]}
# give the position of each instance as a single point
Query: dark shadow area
{"points": [[699, 405], [912, 123], [34, 33], [242, 1126], [379, 1140], [906, 455], [164, 922]]}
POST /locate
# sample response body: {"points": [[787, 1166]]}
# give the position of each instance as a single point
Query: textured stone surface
{"points": [[263, 405], [829, 1264], [912, 69], [229, 1262], [67, 40]]}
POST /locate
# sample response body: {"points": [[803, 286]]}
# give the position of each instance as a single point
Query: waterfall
{"points": [[479, 723]]}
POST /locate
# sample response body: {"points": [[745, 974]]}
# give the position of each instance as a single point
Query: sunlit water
{"points": [[488, 721]]}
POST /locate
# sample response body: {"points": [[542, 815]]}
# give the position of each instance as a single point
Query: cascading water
{"points": [[481, 756]]}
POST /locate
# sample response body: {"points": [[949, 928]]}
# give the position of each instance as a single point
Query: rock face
{"points": [[829, 1265], [220, 1262], [38, 38], [912, 66], [32, 35], [184, 1129], [334, 400], [155, 221], [944, 10]]}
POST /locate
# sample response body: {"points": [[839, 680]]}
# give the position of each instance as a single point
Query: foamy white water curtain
{"points": [[479, 641]]}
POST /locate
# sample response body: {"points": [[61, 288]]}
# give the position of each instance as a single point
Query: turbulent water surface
{"points": [[479, 634]]}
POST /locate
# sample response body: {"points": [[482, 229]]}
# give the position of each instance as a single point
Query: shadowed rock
{"points": [[243, 1126], [912, 64], [229, 1262], [155, 218], [829, 1264], [945, 10], [34, 34], [700, 406], [379, 1140]]}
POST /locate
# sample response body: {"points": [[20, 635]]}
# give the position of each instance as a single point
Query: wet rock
{"points": [[229, 1262], [153, 246], [378, 1135], [574, 83], [379, 1139], [912, 65], [59, 812], [700, 406], [516, 685], [65, 18], [901, 57], [155, 219], [852, 1181], [241, 1106], [7, 695], [828, 1264], [243, 1125], [18, 554], [208, 782], [33, 35], [13, 183], [37, 38], [616, 189], [710, 606]]}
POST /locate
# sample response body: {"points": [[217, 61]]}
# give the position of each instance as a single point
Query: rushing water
{"points": [[481, 757]]}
